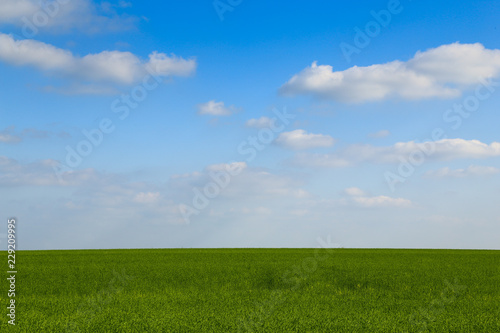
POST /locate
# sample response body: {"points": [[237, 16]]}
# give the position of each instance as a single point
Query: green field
{"points": [[256, 290]]}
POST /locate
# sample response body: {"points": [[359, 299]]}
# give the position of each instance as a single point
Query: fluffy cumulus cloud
{"points": [[172, 65], [442, 72], [108, 66], [445, 149], [214, 108], [299, 139], [65, 15], [473, 170]]}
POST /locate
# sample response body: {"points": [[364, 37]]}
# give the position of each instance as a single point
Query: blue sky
{"points": [[250, 124]]}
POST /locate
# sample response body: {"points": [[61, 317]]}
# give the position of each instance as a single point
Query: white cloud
{"points": [[8, 136], [354, 191], [442, 72], [63, 16], [216, 192], [41, 173], [117, 197], [12, 10], [358, 197], [114, 196], [214, 108], [300, 139], [242, 182], [262, 122], [380, 134], [221, 167], [119, 200], [330, 160], [107, 66], [381, 201], [256, 211], [445, 149], [109, 205], [171, 65], [147, 197], [31, 52], [473, 170]]}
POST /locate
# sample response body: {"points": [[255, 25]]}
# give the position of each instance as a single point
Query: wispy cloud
{"points": [[445, 149], [262, 122], [358, 197], [10, 135], [214, 108], [251, 182], [41, 173], [473, 170], [253, 191], [299, 139], [380, 134]]}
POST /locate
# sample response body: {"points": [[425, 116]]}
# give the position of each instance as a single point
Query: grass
{"points": [[255, 290]]}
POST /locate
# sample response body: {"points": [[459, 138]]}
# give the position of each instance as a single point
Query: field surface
{"points": [[255, 290]]}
